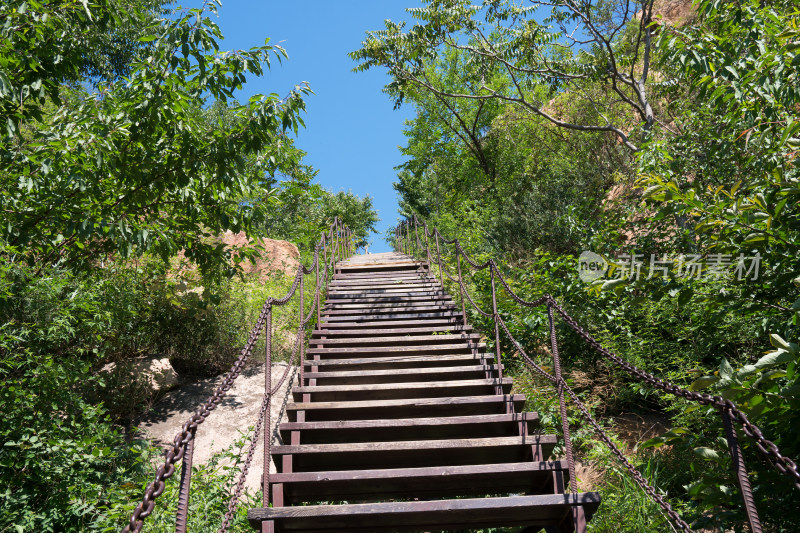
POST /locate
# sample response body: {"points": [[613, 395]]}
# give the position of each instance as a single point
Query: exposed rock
{"points": [[281, 256], [237, 412], [674, 12], [153, 372]]}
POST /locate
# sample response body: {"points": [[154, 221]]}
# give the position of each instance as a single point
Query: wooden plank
{"points": [[423, 428], [430, 482], [395, 291], [396, 316], [393, 376], [428, 349], [383, 282], [365, 339], [409, 274], [390, 391], [376, 266], [388, 299], [432, 330], [379, 307], [414, 453], [448, 321], [405, 408], [397, 362], [466, 513]]}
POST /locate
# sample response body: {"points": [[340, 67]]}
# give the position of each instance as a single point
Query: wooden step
{"points": [[405, 315], [396, 362], [454, 427], [378, 267], [405, 408], [378, 332], [395, 391], [334, 296], [386, 307], [384, 283], [407, 274], [353, 377], [389, 299], [536, 511], [369, 340], [387, 323], [427, 349], [422, 483], [416, 453], [388, 310]]}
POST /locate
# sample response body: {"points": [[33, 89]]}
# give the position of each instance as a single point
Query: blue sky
{"points": [[352, 132]]}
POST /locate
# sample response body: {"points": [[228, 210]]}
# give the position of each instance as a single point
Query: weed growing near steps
{"points": [[212, 485]]}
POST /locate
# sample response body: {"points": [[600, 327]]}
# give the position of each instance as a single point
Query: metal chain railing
{"points": [[729, 412], [335, 244]]}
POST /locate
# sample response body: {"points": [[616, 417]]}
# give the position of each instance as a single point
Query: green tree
{"points": [[134, 166], [600, 52]]}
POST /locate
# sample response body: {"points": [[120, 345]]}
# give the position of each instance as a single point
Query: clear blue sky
{"points": [[352, 133]]}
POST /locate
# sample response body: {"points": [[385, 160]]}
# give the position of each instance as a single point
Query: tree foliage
{"points": [[135, 165], [599, 51]]}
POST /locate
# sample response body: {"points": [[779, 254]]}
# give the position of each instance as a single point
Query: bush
{"points": [[64, 448]]}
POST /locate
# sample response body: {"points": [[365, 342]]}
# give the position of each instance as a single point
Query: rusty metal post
{"points": [[267, 390], [460, 289], [302, 328], [439, 259], [416, 235], [741, 473], [182, 515], [318, 291], [495, 316], [408, 237], [352, 242], [578, 516], [427, 248]]}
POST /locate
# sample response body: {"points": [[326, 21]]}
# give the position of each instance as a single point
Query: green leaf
{"points": [[703, 382], [773, 358], [706, 453], [613, 284], [778, 342], [725, 370]]}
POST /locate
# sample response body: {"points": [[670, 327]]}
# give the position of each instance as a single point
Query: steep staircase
{"points": [[401, 423]]}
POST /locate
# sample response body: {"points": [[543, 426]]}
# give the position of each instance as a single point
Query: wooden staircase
{"points": [[401, 424]]}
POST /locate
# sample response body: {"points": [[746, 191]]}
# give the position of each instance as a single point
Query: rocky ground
{"points": [[238, 411]]}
